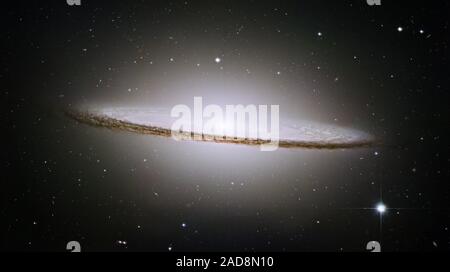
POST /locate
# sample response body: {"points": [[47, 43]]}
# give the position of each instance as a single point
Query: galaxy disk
{"points": [[158, 122]]}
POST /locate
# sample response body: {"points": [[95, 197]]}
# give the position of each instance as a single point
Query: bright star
{"points": [[217, 60], [381, 208]]}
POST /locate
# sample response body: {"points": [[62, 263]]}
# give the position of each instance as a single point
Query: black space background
{"points": [[38, 65]]}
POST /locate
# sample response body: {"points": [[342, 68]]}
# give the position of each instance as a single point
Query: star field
{"points": [[382, 69]]}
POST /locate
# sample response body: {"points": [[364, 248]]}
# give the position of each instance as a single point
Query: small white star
{"points": [[319, 34], [183, 225], [399, 29], [217, 60]]}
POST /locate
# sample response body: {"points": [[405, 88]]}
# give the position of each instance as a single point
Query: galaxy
{"points": [[158, 121], [361, 162]]}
